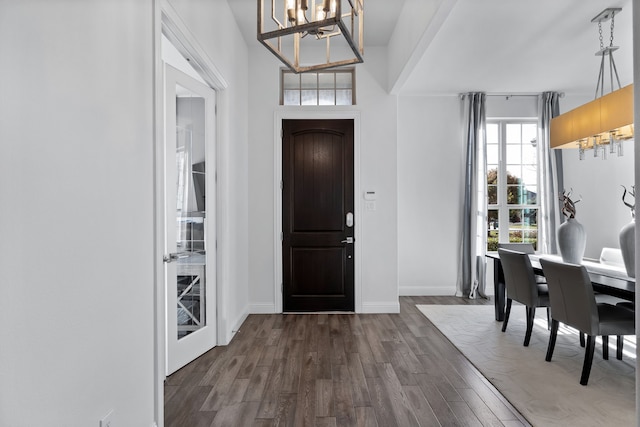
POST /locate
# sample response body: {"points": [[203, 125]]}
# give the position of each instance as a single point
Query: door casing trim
{"points": [[167, 20], [286, 114]]}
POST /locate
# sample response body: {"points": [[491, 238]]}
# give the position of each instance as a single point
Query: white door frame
{"points": [[168, 22], [286, 114]]}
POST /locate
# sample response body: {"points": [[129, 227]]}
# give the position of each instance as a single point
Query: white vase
{"points": [[572, 240], [628, 247]]}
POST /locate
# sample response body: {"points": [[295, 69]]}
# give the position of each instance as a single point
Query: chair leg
{"points": [[506, 314], [620, 343], [531, 314], [588, 359], [605, 347], [552, 339], [581, 339], [548, 318]]}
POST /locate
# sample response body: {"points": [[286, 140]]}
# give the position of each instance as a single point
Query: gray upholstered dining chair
{"points": [[527, 248], [521, 284], [573, 303]]}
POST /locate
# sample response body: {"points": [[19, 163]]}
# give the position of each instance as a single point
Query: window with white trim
{"points": [[327, 87], [512, 182]]}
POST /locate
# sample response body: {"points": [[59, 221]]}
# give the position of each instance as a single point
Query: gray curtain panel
{"points": [[550, 169], [473, 244]]}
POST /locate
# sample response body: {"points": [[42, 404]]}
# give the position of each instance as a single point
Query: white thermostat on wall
{"points": [[369, 195]]}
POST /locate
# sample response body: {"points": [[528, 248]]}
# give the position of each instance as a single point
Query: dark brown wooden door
{"points": [[317, 174]]}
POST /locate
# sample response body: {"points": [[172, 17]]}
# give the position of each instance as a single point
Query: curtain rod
{"points": [[511, 95]]}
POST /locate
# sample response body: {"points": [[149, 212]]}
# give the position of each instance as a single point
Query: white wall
{"points": [[430, 187], [377, 171], [430, 179], [215, 30], [598, 183], [76, 184], [419, 23]]}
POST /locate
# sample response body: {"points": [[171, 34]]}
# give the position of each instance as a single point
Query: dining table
{"points": [[605, 279]]}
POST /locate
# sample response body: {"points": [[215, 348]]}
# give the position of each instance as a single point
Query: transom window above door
{"points": [[327, 87]]}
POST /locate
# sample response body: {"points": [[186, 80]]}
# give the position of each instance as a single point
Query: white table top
{"points": [[594, 267]]}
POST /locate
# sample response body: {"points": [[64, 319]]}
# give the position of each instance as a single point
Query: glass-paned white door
{"points": [[189, 218]]}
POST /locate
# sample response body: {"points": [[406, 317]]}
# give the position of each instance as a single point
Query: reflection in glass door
{"points": [[189, 219]]}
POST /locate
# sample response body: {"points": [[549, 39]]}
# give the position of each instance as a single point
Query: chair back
{"points": [[519, 277], [571, 295], [527, 248]]}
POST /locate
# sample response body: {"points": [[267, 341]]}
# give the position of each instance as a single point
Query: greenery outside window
{"points": [[327, 87], [512, 182]]}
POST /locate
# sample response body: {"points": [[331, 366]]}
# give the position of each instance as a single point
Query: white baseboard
{"points": [[262, 308], [369, 308], [236, 325], [380, 307], [430, 291]]}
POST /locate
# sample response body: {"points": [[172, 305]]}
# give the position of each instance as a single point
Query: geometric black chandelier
{"points": [[311, 35]]}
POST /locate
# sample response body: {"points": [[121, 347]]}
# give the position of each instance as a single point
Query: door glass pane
{"points": [[514, 154], [492, 230], [514, 133], [493, 156], [492, 184], [530, 226], [514, 185], [515, 226], [190, 211]]}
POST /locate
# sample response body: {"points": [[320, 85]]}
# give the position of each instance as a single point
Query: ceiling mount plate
{"points": [[606, 14]]}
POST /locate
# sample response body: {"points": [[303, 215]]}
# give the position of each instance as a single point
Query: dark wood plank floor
{"points": [[337, 370]]}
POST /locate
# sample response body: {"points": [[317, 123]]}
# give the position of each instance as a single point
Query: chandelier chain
{"points": [[600, 35], [613, 15]]}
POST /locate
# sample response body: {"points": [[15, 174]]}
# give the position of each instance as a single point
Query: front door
{"points": [[318, 215], [189, 218]]}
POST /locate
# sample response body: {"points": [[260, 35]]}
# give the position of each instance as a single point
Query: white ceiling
{"points": [[498, 46]]}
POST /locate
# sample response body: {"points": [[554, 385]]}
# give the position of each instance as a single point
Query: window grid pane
{"points": [[327, 97], [344, 97], [313, 88], [309, 97], [326, 81], [291, 81]]}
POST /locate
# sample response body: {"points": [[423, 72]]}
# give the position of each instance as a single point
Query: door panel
{"points": [[318, 262], [309, 275], [189, 219]]}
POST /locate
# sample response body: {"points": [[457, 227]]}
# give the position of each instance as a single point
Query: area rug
{"points": [[545, 393]]}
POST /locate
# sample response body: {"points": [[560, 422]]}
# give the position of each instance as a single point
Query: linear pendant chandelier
{"points": [[605, 121], [311, 35]]}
